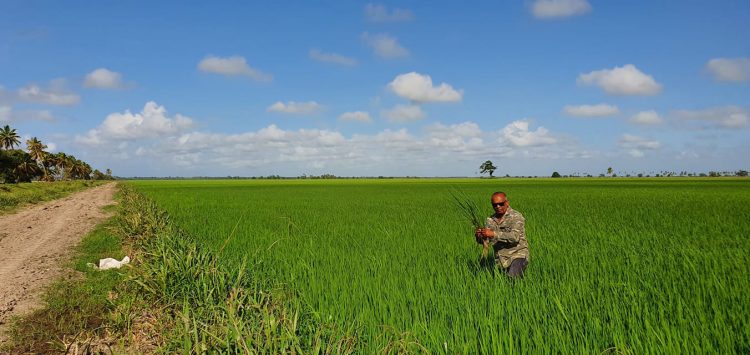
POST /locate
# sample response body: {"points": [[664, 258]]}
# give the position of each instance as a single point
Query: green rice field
{"points": [[617, 265]]}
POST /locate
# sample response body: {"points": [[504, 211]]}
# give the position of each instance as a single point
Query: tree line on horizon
{"points": [[37, 164]]}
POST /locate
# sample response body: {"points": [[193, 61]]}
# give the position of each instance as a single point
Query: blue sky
{"points": [[381, 88]]}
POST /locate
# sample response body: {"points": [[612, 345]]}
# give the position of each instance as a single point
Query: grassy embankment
{"points": [[177, 298], [13, 196], [617, 265]]}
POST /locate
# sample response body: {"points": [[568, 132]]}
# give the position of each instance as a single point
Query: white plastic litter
{"points": [[110, 263]]}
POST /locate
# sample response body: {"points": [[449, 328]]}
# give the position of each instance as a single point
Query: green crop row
{"points": [[633, 266]]}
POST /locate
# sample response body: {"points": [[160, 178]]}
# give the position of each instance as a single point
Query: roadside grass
{"points": [[77, 307], [175, 297], [207, 306], [13, 196]]}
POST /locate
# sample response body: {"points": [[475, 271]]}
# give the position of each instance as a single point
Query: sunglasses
{"points": [[499, 204]]}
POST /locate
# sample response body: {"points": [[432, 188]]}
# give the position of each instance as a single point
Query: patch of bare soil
{"points": [[36, 242]]}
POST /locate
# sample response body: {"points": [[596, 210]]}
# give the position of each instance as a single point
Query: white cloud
{"points": [[517, 134], [5, 113], [388, 150], [404, 114], [547, 9], [463, 137], [356, 116], [625, 80], [635, 146], [334, 58], [38, 115], [103, 78], [298, 108], [379, 13], [8, 115], [434, 150], [419, 88], [729, 69], [55, 94], [385, 46], [638, 142], [232, 66], [729, 117], [646, 118], [599, 110], [4, 96], [464, 129], [151, 122]]}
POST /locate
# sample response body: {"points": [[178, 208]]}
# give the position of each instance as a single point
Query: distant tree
{"points": [[487, 167], [714, 174], [609, 171], [79, 169], [556, 174], [741, 173], [9, 160], [27, 170], [62, 165], [36, 148], [9, 138], [98, 175], [17, 166], [640, 175]]}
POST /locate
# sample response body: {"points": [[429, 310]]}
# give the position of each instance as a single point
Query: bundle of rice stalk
{"points": [[471, 211]]}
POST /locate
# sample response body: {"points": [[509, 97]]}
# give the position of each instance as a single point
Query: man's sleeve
{"points": [[510, 233]]}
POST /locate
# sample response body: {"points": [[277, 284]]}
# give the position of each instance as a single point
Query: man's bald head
{"points": [[499, 203]]}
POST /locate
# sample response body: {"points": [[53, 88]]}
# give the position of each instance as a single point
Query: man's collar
{"points": [[503, 216]]}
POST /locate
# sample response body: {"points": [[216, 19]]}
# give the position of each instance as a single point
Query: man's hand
{"points": [[485, 233]]}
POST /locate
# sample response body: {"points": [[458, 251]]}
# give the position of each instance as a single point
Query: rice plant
{"points": [[471, 211], [617, 265]]}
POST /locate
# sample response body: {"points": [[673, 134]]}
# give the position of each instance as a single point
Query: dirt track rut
{"points": [[36, 242]]}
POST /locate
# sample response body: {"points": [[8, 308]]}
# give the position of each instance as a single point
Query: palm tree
{"points": [[36, 149], [9, 138], [49, 162], [62, 163], [79, 169], [75, 170], [26, 170]]}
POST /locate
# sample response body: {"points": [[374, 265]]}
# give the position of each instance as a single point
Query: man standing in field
{"points": [[506, 233]]}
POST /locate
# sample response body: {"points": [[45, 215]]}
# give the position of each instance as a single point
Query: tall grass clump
{"points": [[470, 210], [208, 306]]}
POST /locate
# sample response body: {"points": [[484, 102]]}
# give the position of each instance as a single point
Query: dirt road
{"points": [[36, 241]]}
